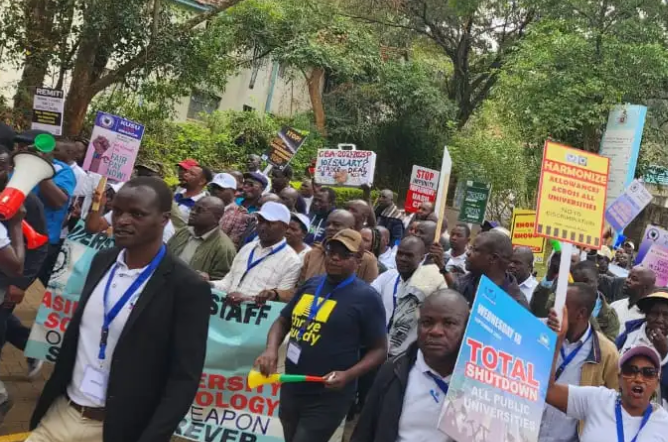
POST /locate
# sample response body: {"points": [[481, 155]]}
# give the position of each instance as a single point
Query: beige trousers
{"points": [[63, 423]]}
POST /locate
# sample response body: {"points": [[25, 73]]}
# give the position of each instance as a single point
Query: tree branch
{"points": [[138, 60]]}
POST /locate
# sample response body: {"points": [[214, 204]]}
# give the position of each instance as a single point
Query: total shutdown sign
{"points": [[571, 196]]}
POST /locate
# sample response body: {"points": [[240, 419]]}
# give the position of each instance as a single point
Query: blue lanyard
{"points": [[567, 359], [394, 302], [110, 315], [620, 421], [252, 264], [316, 306], [440, 383]]}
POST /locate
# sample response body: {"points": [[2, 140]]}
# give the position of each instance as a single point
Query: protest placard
{"points": [[653, 236], [113, 147], [621, 144], [422, 188], [522, 233], [225, 408], [47, 110], [571, 195], [627, 206], [657, 260], [345, 167], [284, 147], [63, 292], [474, 204], [498, 387]]}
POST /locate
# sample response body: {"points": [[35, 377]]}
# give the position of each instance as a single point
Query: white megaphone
{"points": [[29, 170]]}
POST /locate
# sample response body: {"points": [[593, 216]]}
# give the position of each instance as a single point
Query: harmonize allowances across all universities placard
{"points": [[571, 195]]}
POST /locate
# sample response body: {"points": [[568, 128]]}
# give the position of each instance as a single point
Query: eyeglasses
{"points": [[341, 253], [647, 373]]}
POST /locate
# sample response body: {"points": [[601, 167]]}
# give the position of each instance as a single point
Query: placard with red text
{"points": [[422, 188]]}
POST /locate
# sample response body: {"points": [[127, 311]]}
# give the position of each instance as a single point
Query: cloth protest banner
{"points": [[225, 409], [621, 144], [345, 167], [422, 188], [653, 235], [474, 204], [627, 206], [284, 147], [113, 147], [498, 387], [47, 110], [572, 195], [63, 292], [522, 230], [656, 259]]}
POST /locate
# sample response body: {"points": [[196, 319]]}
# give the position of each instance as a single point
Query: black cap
{"points": [[28, 137], [7, 136]]}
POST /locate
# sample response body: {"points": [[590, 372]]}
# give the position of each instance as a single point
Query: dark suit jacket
{"points": [[158, 361]]}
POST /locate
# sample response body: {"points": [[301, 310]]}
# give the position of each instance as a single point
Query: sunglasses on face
{"points": [[647, 373], [341, 253]]}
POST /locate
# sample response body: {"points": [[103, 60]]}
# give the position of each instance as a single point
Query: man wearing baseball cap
{"points": [[254, 186], [235, 218], [329, 320], [193, 180], [266, 269]]}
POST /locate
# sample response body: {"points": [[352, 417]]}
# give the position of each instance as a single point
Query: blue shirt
{"points": [[66, 181], [351, 319]]}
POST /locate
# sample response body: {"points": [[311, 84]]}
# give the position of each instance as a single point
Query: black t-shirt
{"points": [[352, 318]]}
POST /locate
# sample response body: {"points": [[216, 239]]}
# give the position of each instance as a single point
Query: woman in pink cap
{"points": [[607, 415]]}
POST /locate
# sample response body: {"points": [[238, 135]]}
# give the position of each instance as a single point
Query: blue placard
{"points": [[119, 125], [498, 387]]}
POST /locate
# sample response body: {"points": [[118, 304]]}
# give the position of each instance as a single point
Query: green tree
{"points": [[570, 69]]}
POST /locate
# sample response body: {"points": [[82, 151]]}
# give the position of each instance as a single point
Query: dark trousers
{"points": [[313, 418], [11, 329], [47, 267]]}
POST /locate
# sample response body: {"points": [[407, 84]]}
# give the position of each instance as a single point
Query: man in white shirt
{"points": [[267, 269], [460, 235], [130, 363], [521, 266], [388, 252], [637, 285], [404, 404]]}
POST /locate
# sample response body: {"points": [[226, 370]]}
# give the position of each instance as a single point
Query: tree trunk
{"points": [[80, 94], [39, 44], [314, 81]]}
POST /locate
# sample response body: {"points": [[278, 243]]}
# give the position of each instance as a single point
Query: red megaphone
{"points": [[34, 239]]}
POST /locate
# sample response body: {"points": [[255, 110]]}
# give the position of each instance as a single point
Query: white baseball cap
{"points": [[302, 219], [272, 211], [224, 181]]}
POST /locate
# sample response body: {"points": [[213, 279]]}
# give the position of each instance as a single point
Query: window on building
{"points": [[202, 102]]}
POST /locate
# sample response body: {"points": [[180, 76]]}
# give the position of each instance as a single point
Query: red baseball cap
{"points": [[188, 163]]}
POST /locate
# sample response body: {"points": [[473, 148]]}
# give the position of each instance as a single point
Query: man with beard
{"points": [[323, 204], [490, 255], [405, 402], [255, 184], [637, 285]]}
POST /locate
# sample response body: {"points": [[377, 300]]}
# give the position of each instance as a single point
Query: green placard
{"points": [[474, 205]]}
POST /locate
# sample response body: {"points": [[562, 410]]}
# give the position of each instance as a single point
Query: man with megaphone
{"points": [[54, 192]]}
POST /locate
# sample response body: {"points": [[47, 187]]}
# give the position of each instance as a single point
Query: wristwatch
{"points": [[444, 270]]}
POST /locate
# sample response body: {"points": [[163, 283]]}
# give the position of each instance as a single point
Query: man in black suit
{"points": [[133, 353]]}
